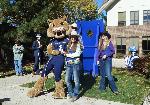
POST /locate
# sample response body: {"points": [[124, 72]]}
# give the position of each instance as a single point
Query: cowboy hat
{"points": [[38, 35], [74, 33], [74, 25]]}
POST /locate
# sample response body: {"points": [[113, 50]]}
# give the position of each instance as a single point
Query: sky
{"points": [[99, 2]]}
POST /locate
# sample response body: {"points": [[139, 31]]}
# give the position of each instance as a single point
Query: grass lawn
{"points": [[133, 87]]}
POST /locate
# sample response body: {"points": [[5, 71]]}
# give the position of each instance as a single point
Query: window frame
{"points": [[134, 20], [147, 21], [122, 23], [147, 45], [121, 50]]}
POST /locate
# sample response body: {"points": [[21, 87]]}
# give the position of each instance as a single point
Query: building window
{"points": [[134, 18], [146, 44], [134, 41], [121, 45], [121, 18], [146, 17]]}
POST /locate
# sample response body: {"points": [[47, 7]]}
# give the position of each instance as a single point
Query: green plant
{"points": [[142, 65]]}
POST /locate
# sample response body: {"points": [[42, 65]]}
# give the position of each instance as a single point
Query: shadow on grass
{"points": [[87, 81], [3, 100]]}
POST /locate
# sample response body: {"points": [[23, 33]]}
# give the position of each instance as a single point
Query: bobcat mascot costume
{"points": [[57, 30]]}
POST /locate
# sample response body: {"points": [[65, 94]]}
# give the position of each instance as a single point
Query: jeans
{"points": [[36, 63], [105, 71], [18, 66], [72, 70]]}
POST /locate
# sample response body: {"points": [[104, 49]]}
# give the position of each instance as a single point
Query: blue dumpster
{"points": [[90, 32]]}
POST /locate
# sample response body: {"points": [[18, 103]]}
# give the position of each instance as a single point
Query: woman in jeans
{"points": [[105, 54], [73, 65]]}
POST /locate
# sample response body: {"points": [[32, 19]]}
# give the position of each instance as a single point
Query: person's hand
{"points": [[104, 57], [40, 46], [97, 62], [64, 52], [70, 62]]}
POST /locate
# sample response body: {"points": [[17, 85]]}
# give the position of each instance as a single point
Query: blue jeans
{"points": [[18, 66], [105, 71], [36, 63], [72, 70]]}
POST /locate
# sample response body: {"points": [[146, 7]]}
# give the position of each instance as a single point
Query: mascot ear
{"points": [[64, 18], [49, 21]]}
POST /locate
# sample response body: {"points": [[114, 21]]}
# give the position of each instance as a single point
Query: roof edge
{"points": [[105, 6]]}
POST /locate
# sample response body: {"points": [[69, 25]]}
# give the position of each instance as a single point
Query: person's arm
{"points": [[15, 50], [76, 54], [21, 49]]}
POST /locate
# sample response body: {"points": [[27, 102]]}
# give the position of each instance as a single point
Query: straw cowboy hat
{"points": [[74, 25], [38, 35], [74, 33]]}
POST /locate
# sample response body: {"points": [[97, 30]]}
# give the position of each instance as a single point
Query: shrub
{"points": [[142, 65]]}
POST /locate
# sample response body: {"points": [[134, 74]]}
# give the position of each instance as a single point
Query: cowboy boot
{"points": [[38, 87], [59, 90]]}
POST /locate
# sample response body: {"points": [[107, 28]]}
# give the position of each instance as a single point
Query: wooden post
{"points": [[140, 46]]}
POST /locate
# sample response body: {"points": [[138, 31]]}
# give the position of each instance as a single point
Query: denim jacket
{"points": [[18, 52]]}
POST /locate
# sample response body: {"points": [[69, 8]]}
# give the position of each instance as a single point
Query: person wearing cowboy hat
{"points": [[37, 49], [104, 60], [74, 50]]}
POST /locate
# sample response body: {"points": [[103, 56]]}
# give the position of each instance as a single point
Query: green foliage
{"points": [[142, 65], [26, 17], [80, 10]]}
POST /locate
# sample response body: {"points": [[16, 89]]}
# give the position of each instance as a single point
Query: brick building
{"points": [[128, 21]]}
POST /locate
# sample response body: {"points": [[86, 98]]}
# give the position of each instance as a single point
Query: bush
{"points": [[142, 65]]}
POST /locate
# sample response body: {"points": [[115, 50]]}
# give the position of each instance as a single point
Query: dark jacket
{"points": [[36, 49]]}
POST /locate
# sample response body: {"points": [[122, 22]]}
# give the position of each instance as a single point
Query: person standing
{"points": [[18, 55], [37, 49], [73, 65], [105, 54]]}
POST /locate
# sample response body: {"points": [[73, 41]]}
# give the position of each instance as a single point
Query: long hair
{"points": [[73, 46], [101, 44]]}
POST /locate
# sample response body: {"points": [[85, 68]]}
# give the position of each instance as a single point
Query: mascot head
{"points": [[57, 28]]}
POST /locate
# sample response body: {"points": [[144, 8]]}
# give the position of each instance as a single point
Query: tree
{"points": [[21, 19]]}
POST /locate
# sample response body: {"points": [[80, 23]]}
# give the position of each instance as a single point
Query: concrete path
{"points": [[11, 93], [118, 63]]}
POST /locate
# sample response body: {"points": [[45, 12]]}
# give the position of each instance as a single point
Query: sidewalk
{"points": [[11, 93]]}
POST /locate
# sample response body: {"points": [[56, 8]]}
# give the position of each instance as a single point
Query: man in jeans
{"points": [[18, 55]]}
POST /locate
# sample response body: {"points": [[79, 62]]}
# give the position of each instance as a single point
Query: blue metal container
{"points": [[90, 32]]}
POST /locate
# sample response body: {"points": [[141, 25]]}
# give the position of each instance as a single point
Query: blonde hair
{"points": [[101, 44]]}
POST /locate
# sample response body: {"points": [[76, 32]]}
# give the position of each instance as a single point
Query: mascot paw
{"points": [[38, 87], [59, 90], [55, 52], [33, 93]]}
